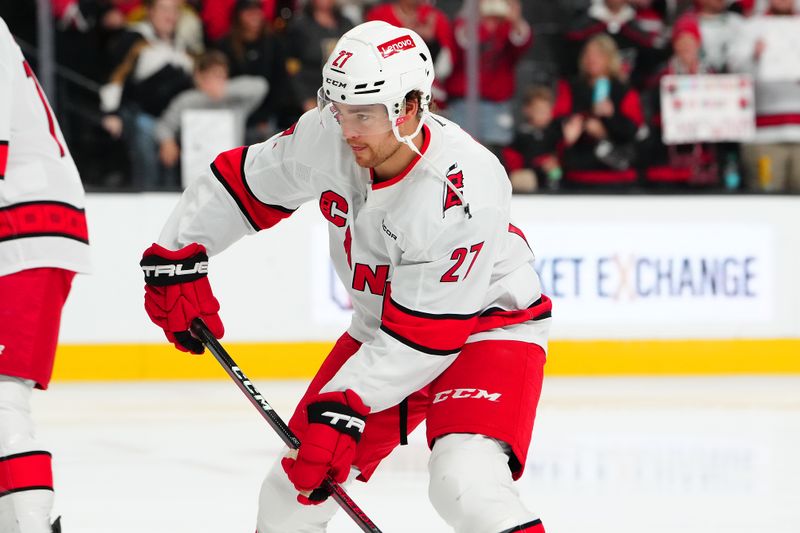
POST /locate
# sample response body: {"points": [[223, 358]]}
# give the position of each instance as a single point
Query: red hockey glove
{"points": [[177, 291], [335, 425]]}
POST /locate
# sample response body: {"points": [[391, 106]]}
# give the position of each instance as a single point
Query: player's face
{"points": [[371, 150], [368, 131]]}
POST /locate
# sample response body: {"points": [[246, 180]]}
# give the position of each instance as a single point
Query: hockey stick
{"points": [[200, 331]]}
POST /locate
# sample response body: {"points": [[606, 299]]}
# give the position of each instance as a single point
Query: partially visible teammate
{"points": [[43, 243], [449, 322]]}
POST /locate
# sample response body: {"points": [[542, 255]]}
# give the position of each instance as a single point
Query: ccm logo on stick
{"points": [[391, 48], [351, 421], [174, 270], [458, 394]]}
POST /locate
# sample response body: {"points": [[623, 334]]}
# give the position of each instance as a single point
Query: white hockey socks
{"points": [[280, 512], [472, 489], [26, 479]]}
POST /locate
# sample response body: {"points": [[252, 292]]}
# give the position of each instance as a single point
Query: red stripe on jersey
{"points": [[493, 319], [3, 158], [228, 168], [43, 219], [435, 334], [25, 471], [51, 123], [426, 141], [516, 231]]}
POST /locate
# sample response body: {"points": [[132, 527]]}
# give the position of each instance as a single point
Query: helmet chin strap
{"points": [[408, 140]]}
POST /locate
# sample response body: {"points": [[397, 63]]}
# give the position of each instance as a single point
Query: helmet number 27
{"points": [[342, 58]]}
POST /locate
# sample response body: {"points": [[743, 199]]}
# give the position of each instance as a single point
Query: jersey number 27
{"points": [[459, 255]]}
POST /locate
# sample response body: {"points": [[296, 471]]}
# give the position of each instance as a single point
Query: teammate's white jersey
{"points": [[42, 220], [424, 278]]}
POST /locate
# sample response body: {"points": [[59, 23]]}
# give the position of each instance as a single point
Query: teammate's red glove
{"points": [[177, 291], [335, 424]]}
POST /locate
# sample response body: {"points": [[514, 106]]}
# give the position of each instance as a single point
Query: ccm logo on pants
{"points": [[457, 394]]}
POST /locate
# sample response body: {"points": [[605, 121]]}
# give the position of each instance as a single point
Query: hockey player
{"points": [[43, 243], [449, 323]]}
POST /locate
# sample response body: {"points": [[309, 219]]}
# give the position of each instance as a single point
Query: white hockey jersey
{"points": [[424, 278], [42, 220]]}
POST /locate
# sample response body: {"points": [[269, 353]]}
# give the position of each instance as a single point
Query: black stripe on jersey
{"points": [[43, 202], [24, 454], [47, 234], [23, 489], [523, 527], [415, 346], [432, 316], [493, 310], [218, 175], [250, 191]]}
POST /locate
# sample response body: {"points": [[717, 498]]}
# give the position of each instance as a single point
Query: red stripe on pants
{"points": [[25, 471]]}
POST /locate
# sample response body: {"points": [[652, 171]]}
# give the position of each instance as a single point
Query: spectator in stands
{"points": [[310, 40], [772, 160], [641, 51], [686, 164], [432, 25], [189, 29], [253, 50], [154, 68], [213, 90], [745, 7], [720, 29], [532, 158], [503, 36], [217, 16], [652, 15], [602, 115]]}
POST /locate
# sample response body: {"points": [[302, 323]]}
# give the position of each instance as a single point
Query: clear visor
{"points": [[355, 120]]}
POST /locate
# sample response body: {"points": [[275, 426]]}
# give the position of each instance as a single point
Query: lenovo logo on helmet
{"points": [[400, 44], [336, 83]]}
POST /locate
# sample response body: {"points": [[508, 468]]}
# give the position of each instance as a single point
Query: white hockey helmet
{"points": [[377, 64]]}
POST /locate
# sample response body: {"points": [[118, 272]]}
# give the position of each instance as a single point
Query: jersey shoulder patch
{"points": [[455, 176]]}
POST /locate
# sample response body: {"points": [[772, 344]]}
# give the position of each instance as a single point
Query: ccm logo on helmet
{"points": [[390, 48], [458, 394], [155, 271], [336, 83]]}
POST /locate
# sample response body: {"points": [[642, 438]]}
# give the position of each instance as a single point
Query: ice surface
{"points": [[633, 455]]}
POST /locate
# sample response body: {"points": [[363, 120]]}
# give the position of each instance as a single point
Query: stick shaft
{"points": [[338, 493]]}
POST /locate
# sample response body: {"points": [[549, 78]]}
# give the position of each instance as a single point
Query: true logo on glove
{"points": [[352, 421], [174, 270]]}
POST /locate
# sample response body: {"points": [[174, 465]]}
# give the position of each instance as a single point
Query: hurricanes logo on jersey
{"points": [[455, 177]]}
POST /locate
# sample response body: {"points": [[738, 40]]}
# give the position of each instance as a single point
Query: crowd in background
{"points": [[569, 90]]}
